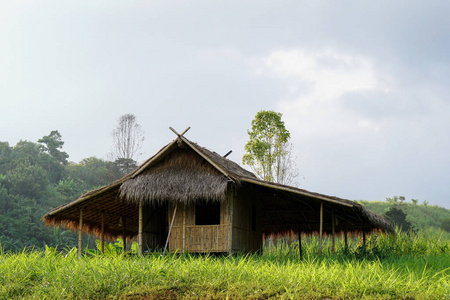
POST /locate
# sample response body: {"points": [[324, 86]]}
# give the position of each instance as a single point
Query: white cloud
{"points": [[316, 82], [358, 131], [331, 135]]}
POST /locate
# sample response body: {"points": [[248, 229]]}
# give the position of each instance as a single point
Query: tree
{"points": [[445, 224], [5, 155], [268, 151], [35, 178], [288, 166], [128, 137], [91, 173], [28, 180], [52, 144], [397, 216]]}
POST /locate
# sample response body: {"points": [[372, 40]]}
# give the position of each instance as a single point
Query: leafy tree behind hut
{"points": [[268, 151]]}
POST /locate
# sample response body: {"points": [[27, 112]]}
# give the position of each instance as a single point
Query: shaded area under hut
{"points": [[187, 198]]}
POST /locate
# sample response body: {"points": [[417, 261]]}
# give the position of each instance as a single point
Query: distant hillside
{"points": [[419, 215]]}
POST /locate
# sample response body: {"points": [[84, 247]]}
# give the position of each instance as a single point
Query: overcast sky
{"points": [[363, 86]]}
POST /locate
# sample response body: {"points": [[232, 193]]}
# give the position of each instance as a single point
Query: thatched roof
{"points": [[183, 176], [182, 171]]}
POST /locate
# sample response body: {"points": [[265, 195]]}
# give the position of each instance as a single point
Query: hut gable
{"points": [[181, 176]]}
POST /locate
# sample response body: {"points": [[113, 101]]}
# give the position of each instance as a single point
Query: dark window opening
{"points": [[253, 217], [207, 213]]}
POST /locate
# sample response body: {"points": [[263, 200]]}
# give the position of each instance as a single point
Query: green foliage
{"points": [[396, 199], [125, 165], [398, 217], [420, 216], [115, 248], [446, 224], [53, 143], [26, 179], [378, 246], [91, 172], [5, 155], [34, 178], [267, 146], [412, 269]]}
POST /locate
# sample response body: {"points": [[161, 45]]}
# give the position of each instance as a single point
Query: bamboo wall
{"points": [[186, 236], [233, 234], [244, 237]]}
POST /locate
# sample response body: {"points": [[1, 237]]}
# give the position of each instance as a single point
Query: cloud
{"points": [[360, 132], [317, 82]]}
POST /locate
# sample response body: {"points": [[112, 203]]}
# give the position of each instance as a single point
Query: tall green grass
{"points": [[407, 267], [429, 241]]}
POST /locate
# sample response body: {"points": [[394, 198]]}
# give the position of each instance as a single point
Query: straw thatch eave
{"points": [[104, 201], [100, 203], [182, 177]]}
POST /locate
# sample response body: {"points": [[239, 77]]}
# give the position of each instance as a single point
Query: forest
{"points": [[38, 176]]}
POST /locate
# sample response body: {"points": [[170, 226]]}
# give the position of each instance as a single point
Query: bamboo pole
{"points": [[321, 228], [124, 237], [102, 234], [170, 229], [333, 224], [364, 236], [141, 225], [345, 241], [80, 234], [231, 219], [184, 228], [300, 244]]}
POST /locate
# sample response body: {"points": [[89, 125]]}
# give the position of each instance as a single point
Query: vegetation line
{"points": [[391, 268]]}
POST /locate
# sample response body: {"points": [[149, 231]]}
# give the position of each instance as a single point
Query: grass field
{"points": [[407, 267]]}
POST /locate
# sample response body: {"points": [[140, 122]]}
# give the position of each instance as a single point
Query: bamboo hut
{"points": [[188, 198]]}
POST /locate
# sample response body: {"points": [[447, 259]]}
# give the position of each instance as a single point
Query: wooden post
{"points": [[345, 241], [321, 228], [80, 234], [141, 225], [184, 228], [300, 244], [231, 219], [333, 224], [102, 235], [170, 229], [364, 236], [124, 237]]}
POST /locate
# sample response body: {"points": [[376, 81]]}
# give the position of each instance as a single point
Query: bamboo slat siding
{"points": [[186, 236], [206, 238]]}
